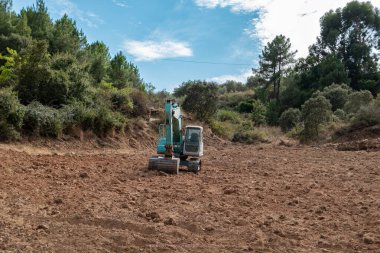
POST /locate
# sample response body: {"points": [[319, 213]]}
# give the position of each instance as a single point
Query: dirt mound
{"points": [[367, 145], [357, 133]]}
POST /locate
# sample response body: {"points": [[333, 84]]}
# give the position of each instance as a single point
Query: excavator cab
{"points": [[193, 141]]}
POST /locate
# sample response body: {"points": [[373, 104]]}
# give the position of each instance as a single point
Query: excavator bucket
{"points": [[168, 165]]}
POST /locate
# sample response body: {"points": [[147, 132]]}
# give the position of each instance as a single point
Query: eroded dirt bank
{"points": [[264, 198]]}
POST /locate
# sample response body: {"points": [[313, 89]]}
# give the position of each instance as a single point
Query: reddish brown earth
{"points": [[259, 198]]}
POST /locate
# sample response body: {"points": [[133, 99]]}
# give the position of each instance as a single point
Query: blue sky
{"points": [[168, 39]]}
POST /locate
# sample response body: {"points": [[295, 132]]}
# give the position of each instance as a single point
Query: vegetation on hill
{"points": [[53, 81], [333, 86]]}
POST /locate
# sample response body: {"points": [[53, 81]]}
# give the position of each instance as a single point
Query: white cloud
{"points": [[71, 9], [120, 3], [153, 50], [235, 5], [242, 77], [296, 19]]}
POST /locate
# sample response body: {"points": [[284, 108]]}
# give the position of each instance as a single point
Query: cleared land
{"points": [[259, 198]]}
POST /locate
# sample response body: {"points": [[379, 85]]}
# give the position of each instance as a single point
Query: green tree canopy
{"points": [[201, 99], [352, 33], [275, 59], [67, 38], [98, 56], [39, 21], [123, 73]]}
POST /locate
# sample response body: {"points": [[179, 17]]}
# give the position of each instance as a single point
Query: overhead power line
{"points": [[208, 62]]}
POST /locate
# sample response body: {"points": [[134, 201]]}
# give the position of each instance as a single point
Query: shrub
{"points": [[368, 115], [258, 112], [356, 100], [340, 114], [121, 101], [245, 106], [290, 118], [249, 136], [140, 104], [232, 100], [337, 95], [11, 115], [99, 119], [222, 129], [106, 120], [315, 111], [42, 120], [225, 115]]}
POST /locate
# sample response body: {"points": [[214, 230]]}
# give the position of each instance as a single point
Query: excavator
{"points": [[177, 146]]}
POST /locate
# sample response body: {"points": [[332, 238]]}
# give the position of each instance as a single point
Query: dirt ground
{"points": [[247, 198]]}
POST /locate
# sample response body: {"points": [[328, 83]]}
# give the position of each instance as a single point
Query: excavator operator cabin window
{"points": [[193, 135]]}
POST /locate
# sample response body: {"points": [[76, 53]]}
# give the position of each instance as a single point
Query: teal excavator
{"points": [[177, 146]]}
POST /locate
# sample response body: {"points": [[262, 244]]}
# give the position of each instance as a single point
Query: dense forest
{"points": [[53, 81]]}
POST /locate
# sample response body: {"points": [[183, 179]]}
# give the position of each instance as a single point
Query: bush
{"points": [[99, 119], [140, 104], [225, 115], [315, 111], [11, 115], [289, 119], [42, 120], [249, 136], [222, 129], [232, 100], [356, 100], [337, 95], [121, 101], [106, 120], [368, 115], [258, 112], [245, 106], [340, 114]]}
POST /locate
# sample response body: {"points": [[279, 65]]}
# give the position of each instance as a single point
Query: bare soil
{"points": [[247, 198]]}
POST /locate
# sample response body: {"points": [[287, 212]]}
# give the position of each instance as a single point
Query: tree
{"points": [[34, 71], [182, 90], [52, 81], [337, 95], [22, 28], [233, 86], [352, 33], [39, 21], [275, 61], [98, 57], [201, 99], [331, 70], [66, 36], [5, 17], [8, 75], [315, 111], [123, 73], [254, 81]]}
